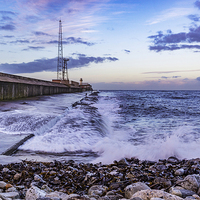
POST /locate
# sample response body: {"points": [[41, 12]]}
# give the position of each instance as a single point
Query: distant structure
{"points": [[62, 72]]}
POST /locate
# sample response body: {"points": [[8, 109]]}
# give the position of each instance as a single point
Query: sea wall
{"points": [[15, 87]]}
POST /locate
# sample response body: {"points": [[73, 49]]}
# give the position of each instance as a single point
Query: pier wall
{"points": [[15, 87]]}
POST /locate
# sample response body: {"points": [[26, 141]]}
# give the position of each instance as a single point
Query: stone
{"points": [[57, 194], [133, 188], [5, 170], [179, 172], [11, 189], [11, 195], [17, 176], [99, 190], [34, 192], [38, 178], [191, 182], [148, 194], [163, 181], [2, 185], [8, 186], [46, 188], [181, 192]]}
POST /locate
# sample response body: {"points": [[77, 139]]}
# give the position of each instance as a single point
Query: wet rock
{"points": [[17, 176], [173, 160], [56, 194], [165, 183], [97, 190], [179, 172], [34, 192], [191, 182], [9, 195], [2, 185], [181, 192], [148, 194], [133, 188]]}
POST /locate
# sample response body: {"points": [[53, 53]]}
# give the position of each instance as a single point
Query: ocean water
{"points": [[149, 125]]}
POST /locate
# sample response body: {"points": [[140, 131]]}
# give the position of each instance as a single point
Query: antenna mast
{"points": [[60, 54]]}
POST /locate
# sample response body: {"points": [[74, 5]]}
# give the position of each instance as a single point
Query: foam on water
{"points": [[146, 125]]}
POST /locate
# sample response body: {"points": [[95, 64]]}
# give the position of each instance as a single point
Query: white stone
{"points": [[99, 190], [2, 184], [57, 194], [12, 195], [191, 182], [133, 188], [179, 172], [148, 194], [34, 192]]}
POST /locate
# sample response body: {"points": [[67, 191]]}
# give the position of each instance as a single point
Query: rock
{"points": [[5, 170], [17, 176], [56, 194], [196, 196], [148, 194], [99, 190], [179, 172], [2, 185], [34, 192], [133, 188], [8, 186], [38, 178], [163, 181], [189, 198], [11, 195], [172, 160], [46, 189], [191, 182], [181, 192], [11, 189]]}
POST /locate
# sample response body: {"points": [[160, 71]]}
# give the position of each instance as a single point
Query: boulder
{"points": [[181, 192], [2, 185], [97, 190], [179, 172], [133, 188], [148, 194], [9, 195], [191, 182], [34, 193]]}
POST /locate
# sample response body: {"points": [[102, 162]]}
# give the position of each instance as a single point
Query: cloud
{"points": [[33, 48], [198, 78], [7, 12], [194, 18], [168, 72], [44, 64], [8, 27], [171, 41], [197, 4], [72, 40], [20, 41], [127, 51], [39, 33]]}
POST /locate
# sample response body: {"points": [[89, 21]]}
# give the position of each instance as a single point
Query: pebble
{"points": [[170, 178]]}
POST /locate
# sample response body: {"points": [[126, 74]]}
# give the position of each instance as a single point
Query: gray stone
{"points": [[34, 192], [12, 189], [191, 182], [148, 194], [179, 172], [181, 192], [17, 176], [5, 170], [11, 195], [46, 188], [189, 198], [38, 178], [2, 184], [133, 188], [57, 194], [99, 190], [163, 181]]}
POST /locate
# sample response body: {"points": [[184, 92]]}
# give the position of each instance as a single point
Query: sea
{"points": [[105, 126]]}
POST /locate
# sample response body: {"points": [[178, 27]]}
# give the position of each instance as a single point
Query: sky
{"points": [[111, 44]]}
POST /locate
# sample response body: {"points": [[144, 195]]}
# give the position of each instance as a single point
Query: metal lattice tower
{"points": [[65, 71], [60, 54]]}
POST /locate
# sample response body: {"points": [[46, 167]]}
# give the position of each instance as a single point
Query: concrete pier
{"points": [[15, 87]]}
